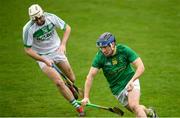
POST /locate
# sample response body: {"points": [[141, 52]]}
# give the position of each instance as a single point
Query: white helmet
{"points": [[35, 11]]}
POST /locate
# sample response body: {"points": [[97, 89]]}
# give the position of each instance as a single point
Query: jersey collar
{"points": [[114, 52]]}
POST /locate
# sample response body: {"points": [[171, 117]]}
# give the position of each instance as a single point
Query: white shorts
{"points": [[123, 95], [55, 56]]}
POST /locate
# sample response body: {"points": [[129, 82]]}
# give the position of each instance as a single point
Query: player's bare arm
{"points": [[37, 57], [67, 32], [138, 64], [89, 79]]}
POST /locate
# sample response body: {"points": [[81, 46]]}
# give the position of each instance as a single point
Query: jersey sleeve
{"points": [[27, 37], [97, 62], [131, 54], [58, 22]]}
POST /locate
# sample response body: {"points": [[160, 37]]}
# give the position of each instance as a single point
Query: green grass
{"points": [[150, 27]]}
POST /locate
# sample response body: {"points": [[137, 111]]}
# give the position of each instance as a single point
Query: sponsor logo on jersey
{"points": [[44, 33], [108, 63]]}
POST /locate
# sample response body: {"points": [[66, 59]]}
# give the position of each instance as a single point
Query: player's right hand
{"points": [[48, 62], [85, 101]]}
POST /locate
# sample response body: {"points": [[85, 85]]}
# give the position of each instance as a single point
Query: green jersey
{"points": [[116, 68]]}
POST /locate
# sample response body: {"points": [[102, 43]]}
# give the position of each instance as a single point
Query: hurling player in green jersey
{"points": [[115, 60]]}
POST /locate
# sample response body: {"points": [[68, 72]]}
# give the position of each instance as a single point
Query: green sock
{"points": [[74, 103], [150, 112]]}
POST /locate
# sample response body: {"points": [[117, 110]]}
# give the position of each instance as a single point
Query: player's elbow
{"points": [[68, 28], [140, 65], [28, 51], [142, 68]]}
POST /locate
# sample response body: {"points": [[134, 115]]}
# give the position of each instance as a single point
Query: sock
{"points": [[150, 112], [74, 103]]}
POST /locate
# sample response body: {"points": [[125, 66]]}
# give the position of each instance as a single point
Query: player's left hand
{"points": [[85, 101], [130, 86]]}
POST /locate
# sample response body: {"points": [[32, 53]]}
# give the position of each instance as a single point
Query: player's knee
{"points": [[133, 106], [60, 84], [72, 77]]}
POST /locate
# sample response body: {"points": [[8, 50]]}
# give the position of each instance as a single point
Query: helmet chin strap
{"points": [[111, 46], [113, 49]]}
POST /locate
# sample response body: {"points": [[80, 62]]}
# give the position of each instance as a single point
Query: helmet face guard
{"points": [[35, 11], [105, 40]]}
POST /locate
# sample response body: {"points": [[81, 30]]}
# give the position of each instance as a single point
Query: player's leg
{"points": [[150, 112], [62, 62], [134, 98], [130, 100], [133, 103], [64, 90], [67, 70], [56, 78]]}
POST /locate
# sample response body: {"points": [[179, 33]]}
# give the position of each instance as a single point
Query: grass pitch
{"points": [[150, 27]]}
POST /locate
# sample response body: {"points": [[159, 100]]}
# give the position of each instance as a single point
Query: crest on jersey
{"points": [[114, 61]]}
